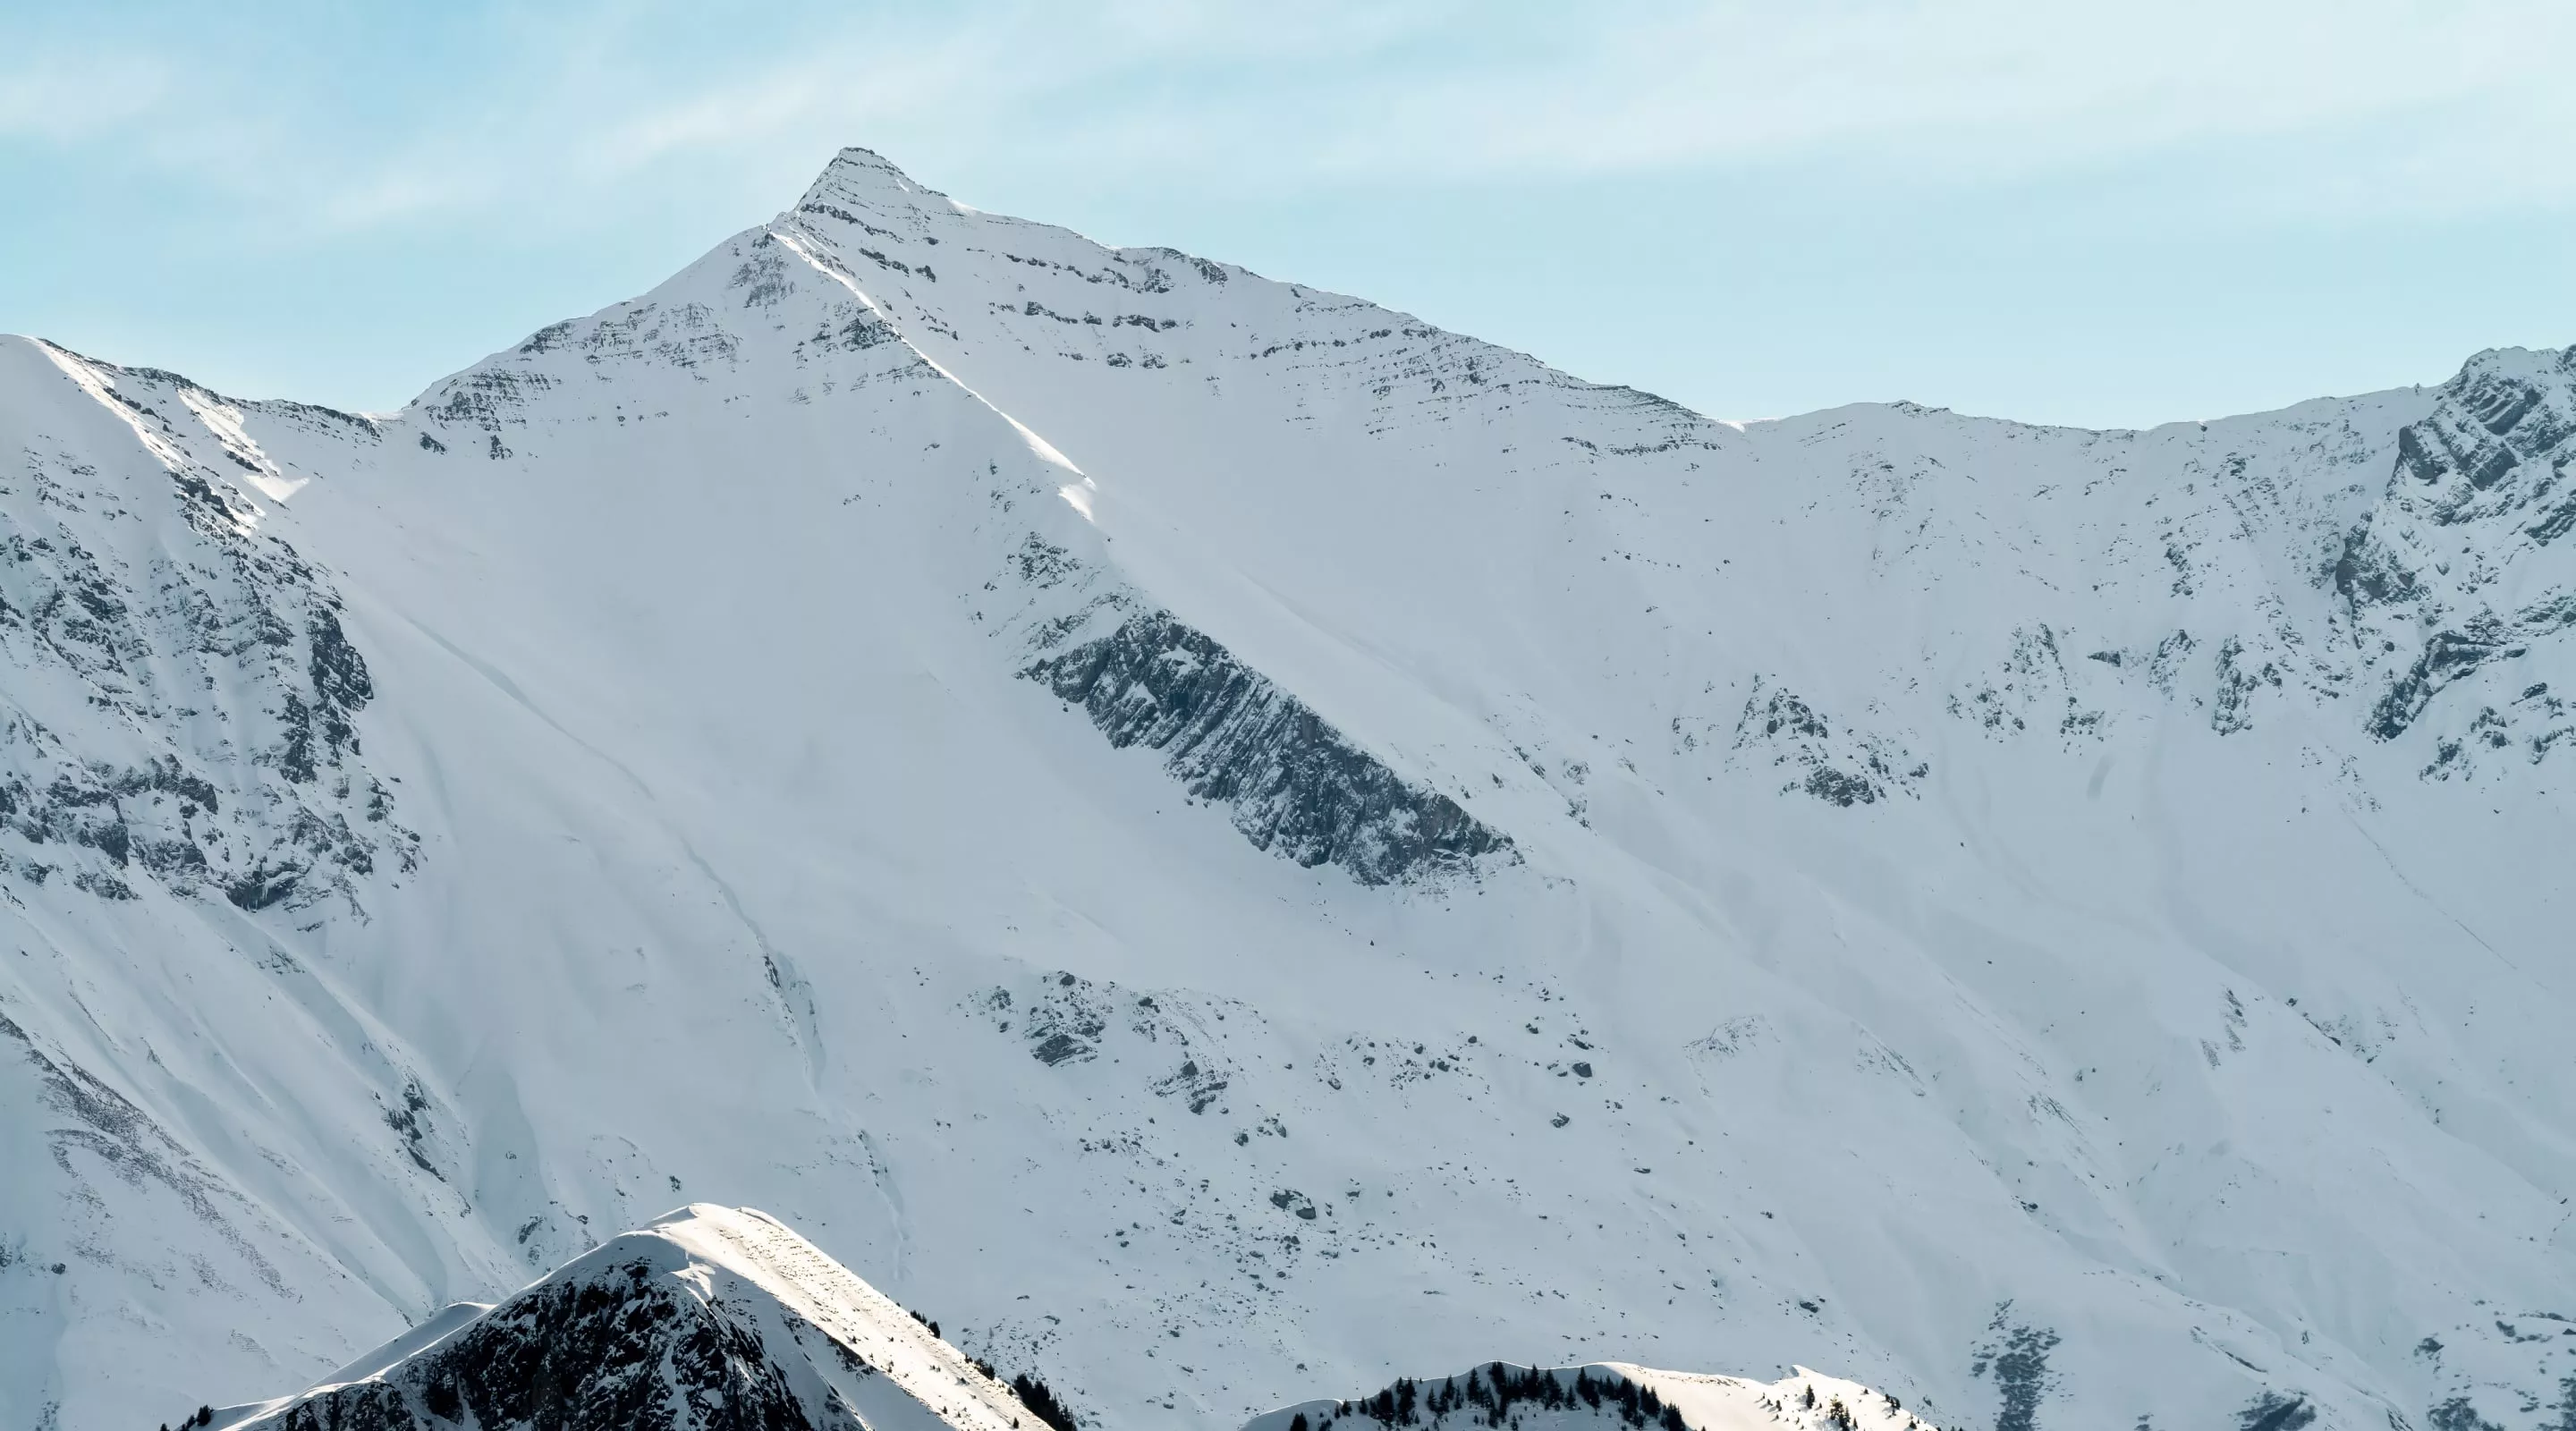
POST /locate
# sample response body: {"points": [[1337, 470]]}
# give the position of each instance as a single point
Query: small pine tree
{"points": [[1297, 1422], [1673, 1418]]}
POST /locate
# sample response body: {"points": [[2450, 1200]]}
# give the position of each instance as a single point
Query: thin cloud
{"points": [[2384, 96], [67, 101]]}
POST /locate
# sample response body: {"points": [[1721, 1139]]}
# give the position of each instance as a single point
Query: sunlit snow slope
{"points": [[1222, 840]]}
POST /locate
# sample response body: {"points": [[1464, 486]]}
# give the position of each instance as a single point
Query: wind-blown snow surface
{"points": [[1221, 841]]}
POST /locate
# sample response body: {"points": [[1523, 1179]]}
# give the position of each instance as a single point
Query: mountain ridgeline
{"points": [[1235, 841], [723, 1319]]}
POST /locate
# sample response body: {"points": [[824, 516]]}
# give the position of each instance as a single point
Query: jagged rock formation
{"points": [[2458, 572], [1296, 785]]}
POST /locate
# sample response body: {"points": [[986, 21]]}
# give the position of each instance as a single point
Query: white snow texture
{"points": [[1229, 844]]}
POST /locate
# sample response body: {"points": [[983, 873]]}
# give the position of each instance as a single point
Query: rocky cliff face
{"points": [[2459, 575], [182, 694], [1230, 735]]}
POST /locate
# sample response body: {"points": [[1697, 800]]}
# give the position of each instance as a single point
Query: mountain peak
{"points": [[864, 178], [2525, 364]]}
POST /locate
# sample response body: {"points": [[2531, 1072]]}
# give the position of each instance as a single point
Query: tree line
{"points": [[1488, 1394]]}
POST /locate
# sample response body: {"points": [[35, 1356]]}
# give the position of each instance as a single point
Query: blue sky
{"points": [[2101, 213]]}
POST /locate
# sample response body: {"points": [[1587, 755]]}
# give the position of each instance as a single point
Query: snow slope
{"points": [[1220, 839]]}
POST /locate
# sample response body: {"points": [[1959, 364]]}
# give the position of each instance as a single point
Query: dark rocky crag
{"points": [[623, 1350], [1229, 734]]}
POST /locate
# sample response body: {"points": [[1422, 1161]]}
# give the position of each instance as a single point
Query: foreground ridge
{"points": [[724, 1319], [1601, 1396], [711, 1317]]}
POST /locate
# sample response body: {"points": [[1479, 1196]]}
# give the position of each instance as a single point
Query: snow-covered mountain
{"points": [[711, 1317], [1222, 840], [716, 1317]]}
